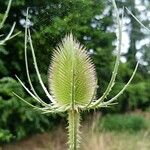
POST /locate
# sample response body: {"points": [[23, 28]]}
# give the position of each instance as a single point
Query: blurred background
{"points": [[93, 22]]}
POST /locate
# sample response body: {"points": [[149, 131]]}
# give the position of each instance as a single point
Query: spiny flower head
{"points": [[72, 77]]}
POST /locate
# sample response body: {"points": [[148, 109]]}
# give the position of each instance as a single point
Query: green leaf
{"points": [[72, 78]]}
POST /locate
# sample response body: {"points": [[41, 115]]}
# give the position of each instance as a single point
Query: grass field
{"points": [[91, 140]]}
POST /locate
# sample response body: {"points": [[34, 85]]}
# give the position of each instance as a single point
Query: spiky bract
{"points": [[72, 77]]}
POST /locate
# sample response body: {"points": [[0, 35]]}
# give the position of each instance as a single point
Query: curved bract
{"points": [[72, 77], [9, 35]]}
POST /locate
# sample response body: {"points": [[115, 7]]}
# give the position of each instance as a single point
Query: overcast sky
{"points": [[125, 42]]}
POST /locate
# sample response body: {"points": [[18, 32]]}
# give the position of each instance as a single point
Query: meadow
{"points": [[93, 138]]}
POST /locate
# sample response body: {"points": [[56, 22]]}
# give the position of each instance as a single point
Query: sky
{"points": [[125, 34]]}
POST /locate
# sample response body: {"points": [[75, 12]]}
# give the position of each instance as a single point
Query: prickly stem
{"points": [[73, 130]]}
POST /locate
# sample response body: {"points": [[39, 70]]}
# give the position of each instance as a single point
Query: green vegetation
{"points": [[16, 120], [68, 19], [126, 123], [91, 22], [72, 81]]}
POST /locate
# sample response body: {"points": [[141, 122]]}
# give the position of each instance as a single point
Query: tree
{"points": [[137, 35], [85, 19]]}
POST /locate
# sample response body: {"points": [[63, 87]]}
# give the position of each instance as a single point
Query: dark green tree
{"points": [[137, 35], [49, 21]]}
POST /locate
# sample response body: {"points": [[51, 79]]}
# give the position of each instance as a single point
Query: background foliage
{"points": [[92, 23]]}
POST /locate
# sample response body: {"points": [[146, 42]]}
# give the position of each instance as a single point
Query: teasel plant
{"points": [[72, 81], [9, 35]]}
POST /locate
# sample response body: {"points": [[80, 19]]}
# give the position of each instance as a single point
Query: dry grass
{"points": [[91, 140], [117, 141], [46, 141]]}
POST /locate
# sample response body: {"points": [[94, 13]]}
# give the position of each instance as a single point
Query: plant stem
{"points": [[73, 129]]}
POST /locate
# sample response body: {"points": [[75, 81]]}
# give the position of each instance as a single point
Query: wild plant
{"points": [[72, 81]]}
